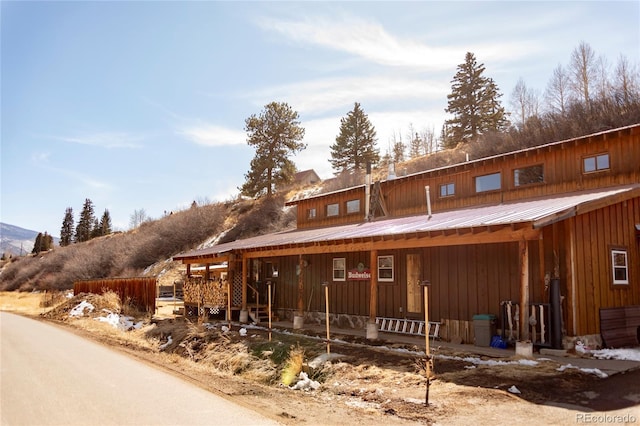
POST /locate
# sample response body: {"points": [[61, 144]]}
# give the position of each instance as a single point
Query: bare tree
{"points": [[137, 218], [583, 71], [626, 78], [557, 92], [524, 102], [428, 137]]}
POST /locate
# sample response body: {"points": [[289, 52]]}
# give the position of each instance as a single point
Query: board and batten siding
{"points": [[594, 236]]}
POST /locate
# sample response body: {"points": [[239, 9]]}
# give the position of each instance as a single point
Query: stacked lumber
{"points": [[198, 291]]}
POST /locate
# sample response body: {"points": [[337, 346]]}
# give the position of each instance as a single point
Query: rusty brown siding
{"points": [[140, 291], [596, 233], [563, 173]]}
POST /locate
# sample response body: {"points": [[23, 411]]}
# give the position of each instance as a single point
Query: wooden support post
{"points": [[428, 361], [244, 282], [372, 327], [269, 298], [326, 303], [524, 290]]}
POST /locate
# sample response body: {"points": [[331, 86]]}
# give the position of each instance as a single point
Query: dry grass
{"points": [[28, 303]]}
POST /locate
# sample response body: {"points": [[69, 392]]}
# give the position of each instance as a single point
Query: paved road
{"points": [[49, 376]]}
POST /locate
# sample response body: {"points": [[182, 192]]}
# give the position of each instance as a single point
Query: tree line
{"points": [[88, 226], [586, 96]]}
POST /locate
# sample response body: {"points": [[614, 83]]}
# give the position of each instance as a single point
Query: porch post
{"points": [[372, 327], [524, 290], [244, 313]]}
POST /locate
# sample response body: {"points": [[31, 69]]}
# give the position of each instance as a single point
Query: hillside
{"points": [[146, 250], [17, 241]]}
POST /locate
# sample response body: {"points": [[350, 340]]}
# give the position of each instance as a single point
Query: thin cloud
{"points": [[371, 41], [320, 96], [107, 140], [213, 135]]}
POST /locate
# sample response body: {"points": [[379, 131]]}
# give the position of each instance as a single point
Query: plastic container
{"points": [[484, 327]]}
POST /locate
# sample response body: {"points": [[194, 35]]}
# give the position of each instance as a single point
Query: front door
{"points": [[414, 289]]}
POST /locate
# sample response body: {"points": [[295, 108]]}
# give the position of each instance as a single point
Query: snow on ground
{"points": [[630, 354], [120, 322]]}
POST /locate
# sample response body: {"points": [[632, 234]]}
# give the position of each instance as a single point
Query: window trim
{"points": [[520, 185], [355, 200], [446, 187], [337, 207], [344, 269], [595, 159], [475, 182], [615, 251], [391, 268], [312, 213]]}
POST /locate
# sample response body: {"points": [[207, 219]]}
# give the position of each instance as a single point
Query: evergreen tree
{"points": [[105, 223], [474, 103], [85, 223], [66, 232], [96, 231], [275, 134], [416, 146], [43, 242], [37, 245], [355, 144]]}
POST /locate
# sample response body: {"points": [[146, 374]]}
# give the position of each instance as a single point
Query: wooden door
{"points": [[414, 289]]}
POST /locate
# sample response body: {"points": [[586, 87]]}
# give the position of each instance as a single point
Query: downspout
{"points": [[367, 192], [426, 188]]}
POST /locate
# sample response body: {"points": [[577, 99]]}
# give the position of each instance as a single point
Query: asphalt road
{"points": [[49, 376]]}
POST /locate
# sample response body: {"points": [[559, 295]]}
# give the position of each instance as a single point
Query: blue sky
{"points": [[141, 105]]}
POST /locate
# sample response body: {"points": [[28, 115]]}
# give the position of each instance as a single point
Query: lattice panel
{"points": [[237, 290]]}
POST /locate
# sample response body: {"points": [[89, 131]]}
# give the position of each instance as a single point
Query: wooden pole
{"points": [[229, 289], [524, 290], [269, 290], [428, 361], [326, 303]]}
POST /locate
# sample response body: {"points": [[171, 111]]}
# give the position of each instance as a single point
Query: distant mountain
{"points": [[17, 241]]}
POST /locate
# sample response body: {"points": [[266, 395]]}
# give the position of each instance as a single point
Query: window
{"points": [[447, 190], [339, 269], [528, 175], [353, 206], [620, 266], [385, 268], [272, 270], [596, 163], [311, 213], [488, 182], [333, 209]]}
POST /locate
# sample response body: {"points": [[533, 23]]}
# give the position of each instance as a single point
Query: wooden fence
{"points": [[139, 292]]}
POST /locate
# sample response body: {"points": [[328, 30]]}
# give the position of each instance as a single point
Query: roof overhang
{"points": [[509, 222]]}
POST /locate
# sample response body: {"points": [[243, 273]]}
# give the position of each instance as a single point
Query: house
{"points": [[541, 239], [307, 177]]}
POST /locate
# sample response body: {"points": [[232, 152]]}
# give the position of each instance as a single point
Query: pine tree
{"points": [[474, 103], [105, 223], [355, 144], [85, 223], [66, 232], [37, 245], [275, 134]]}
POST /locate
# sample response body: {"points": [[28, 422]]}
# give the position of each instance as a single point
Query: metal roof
{"points": [[539, 212]]}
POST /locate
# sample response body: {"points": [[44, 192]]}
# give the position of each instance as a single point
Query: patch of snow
{"points": [[167, 343], [243, 332], [305, 383], [514, 389], [629, 354], [79, 309], [491, 362], [595, 371], [224, 328], [120, 322], [321, 359]]}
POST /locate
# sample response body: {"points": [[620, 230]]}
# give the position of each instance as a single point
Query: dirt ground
{"points": [[367, 382]]}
